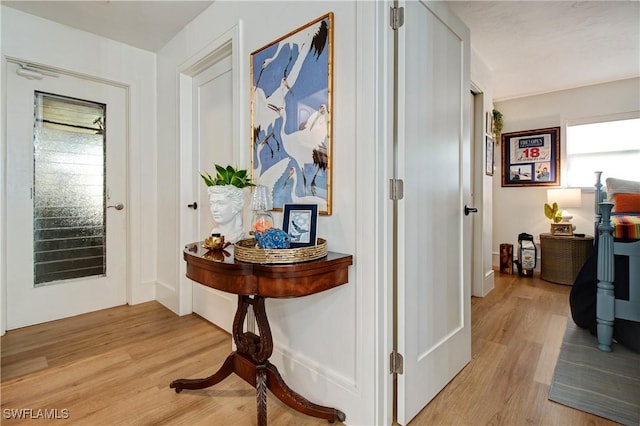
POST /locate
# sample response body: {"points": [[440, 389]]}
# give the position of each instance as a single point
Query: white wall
{"points": [[324, 344], [520, 209], [44, 42]]}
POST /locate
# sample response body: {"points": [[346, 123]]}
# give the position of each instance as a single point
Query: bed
{"points": [[617, 222]]}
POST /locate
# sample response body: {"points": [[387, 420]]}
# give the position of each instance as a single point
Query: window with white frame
{"points": [[611, 146]]}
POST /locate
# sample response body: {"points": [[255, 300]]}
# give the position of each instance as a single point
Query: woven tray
{"points": [[246, 251]]}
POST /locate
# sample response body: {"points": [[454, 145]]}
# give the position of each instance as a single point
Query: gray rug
{"points": [[600, 383]]}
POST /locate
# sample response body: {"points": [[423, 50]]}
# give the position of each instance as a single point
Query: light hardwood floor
{"points": [[114, 367]]}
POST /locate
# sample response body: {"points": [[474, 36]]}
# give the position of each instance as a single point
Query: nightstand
{"points": [[562, 257]]}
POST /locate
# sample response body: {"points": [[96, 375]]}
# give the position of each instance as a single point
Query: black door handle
{"points": [[468, 210], [193, 206]]}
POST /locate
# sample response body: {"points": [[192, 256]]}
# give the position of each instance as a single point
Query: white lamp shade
{"points": [[565, 197]]}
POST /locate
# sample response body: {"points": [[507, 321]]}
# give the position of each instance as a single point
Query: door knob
{"points": [[468, 210], [117, 206], [193, 206]]}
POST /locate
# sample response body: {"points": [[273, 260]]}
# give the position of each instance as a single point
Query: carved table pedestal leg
{"points": [[250, 361]]}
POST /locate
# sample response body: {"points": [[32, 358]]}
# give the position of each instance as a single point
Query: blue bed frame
{"points": [[607, 306]]}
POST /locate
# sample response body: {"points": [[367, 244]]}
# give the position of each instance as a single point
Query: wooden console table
{"points": [[253, 283]]}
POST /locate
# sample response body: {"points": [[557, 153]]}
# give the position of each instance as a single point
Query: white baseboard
{"points": [[488, 282], [167, 296], [215, 306], [144, 292]]}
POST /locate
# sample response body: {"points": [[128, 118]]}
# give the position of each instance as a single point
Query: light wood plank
{"points": [[515, 330], [550, 350], [115, 366], [26, 366]]}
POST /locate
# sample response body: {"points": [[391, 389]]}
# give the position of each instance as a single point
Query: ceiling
{"points": [[531, 47], [536, 47], [148, 25]]}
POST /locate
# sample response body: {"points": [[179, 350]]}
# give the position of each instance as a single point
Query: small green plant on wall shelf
{"points": [[497, 125], [552, 212]]}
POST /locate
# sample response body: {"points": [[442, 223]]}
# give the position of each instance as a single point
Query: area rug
{"points": [[600, 383]]}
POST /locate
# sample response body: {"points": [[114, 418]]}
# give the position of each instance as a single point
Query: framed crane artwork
{"points": [[291, 109]]}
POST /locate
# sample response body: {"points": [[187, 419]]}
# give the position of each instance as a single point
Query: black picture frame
{"points": [[489, 159], [300, 221], [531, 158]]}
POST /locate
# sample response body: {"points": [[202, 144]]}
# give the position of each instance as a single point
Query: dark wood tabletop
{"points": [[218, 269]]}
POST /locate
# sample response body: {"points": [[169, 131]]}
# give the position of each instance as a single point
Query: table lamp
{"points": [[566, 198]]}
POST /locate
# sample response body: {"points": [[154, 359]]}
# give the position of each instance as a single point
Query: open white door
{"points": [[434, 329], [66, 191], [212, 127], [212, 135]]}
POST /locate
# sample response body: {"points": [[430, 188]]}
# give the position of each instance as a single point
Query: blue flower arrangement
{"points": [[273, 238]]}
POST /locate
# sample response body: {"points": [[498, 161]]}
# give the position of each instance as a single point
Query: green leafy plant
{"points": [[497, 125], [227, 176], [552, 212]]}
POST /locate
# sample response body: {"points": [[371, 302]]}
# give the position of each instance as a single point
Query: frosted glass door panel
{"points": [[69, 189]]}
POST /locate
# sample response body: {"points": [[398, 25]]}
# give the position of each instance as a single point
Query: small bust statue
{"points": [[226, 204]]}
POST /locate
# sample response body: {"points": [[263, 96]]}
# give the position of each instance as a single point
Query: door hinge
{"points": [[396, 189], [396, 17], [396, 363]]}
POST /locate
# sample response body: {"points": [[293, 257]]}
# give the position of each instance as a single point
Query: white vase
{"points": [[226, 203]]}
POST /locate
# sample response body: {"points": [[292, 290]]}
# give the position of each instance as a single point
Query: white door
{"points": [[435, 243], [213, 143], [53, 271]]}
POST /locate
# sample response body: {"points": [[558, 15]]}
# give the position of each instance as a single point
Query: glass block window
{"points": [[69, 193]]}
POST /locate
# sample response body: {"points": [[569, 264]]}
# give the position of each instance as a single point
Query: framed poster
{"points": [[291, 116], [531, 158], [488, 167], [300, 222]]}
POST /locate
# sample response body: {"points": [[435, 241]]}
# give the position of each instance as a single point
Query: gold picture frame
{"points": [[562, 229], [291, 116]]}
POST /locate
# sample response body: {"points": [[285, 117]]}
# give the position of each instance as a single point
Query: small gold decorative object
{"points": [[217, 255], [215, 242]]}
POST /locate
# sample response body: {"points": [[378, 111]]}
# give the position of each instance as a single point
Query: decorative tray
{"points": [[247, 251]]}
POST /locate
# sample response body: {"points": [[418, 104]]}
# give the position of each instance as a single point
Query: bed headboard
{"points": [[616, 188], [600, 196]]}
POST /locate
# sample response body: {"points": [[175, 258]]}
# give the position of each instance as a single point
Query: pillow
{"points": [[617, 186], [627, 203]]}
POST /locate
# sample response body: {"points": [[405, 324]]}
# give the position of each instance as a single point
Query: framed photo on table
{"points": [[562, 229], [300, 222], [291, 115], [531, 157]]}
